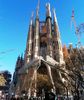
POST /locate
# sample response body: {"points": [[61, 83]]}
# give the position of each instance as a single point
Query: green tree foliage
{"points": [[2, 80]]}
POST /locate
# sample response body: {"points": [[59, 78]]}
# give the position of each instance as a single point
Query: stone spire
{"points": [[56, 27], [28, 53], [58, 44], [49, 41], [36, 34], [48, 13], [37, 9], [18, 63], [49, 30]]}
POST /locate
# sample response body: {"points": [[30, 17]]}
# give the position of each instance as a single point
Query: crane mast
{"points": [[77, 31]]}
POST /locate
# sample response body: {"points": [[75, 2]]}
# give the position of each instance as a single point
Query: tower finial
{"points": [[54, 14], [37, 9], [32, 18], [48, 10], [55, 18]]}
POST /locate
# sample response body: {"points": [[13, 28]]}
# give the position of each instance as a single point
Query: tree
{"points": [[43, 82], [2, 80], [75, 64]]}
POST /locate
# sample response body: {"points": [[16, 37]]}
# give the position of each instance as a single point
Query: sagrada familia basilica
{"points": [[39, 70]]}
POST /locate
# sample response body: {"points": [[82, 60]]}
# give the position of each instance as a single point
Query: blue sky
{"points": [[14, 20]]}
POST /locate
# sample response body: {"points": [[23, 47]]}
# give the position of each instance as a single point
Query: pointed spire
{"points": [[31, 22], [48, 14], [54, 14], [18, 58], [21, 61], [59, 52], [22, 56], [49, 30], [55, 18], [36, 33], [37, 9], [28, 52], [56, 27], [18, 61]]}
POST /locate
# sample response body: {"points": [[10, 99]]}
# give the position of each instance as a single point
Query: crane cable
{"points": [[4, 52]]}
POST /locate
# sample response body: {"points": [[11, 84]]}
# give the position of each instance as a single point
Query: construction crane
{"points": [[75, 26], [81, 28], [4, 52], [78, 29]]}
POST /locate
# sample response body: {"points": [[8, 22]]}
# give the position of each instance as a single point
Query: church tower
{"points": [[36, 35], [57, 41], [29, 44], [49, 30]]}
